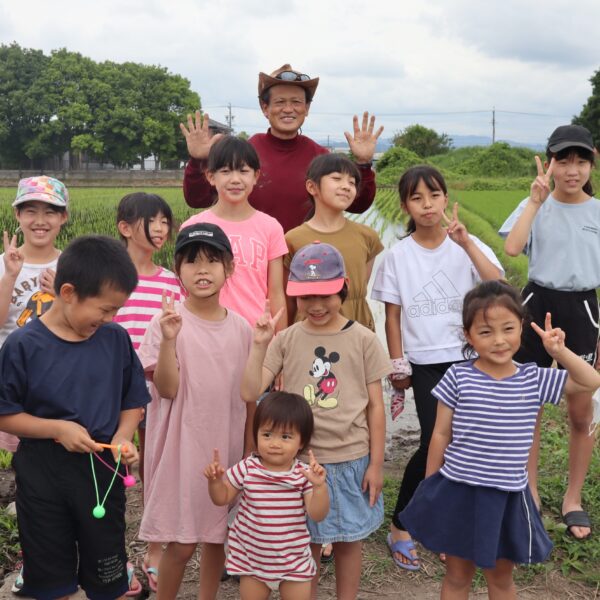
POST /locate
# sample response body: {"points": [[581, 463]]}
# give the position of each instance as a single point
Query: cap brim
{"points": [[40, 197], [314, 288], [562, 145], [203, 240]]}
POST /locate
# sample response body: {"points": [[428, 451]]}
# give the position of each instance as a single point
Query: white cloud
{"points": [[391, 57]]}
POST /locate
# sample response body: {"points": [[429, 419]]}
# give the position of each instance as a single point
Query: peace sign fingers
{"points": [[553, 338], [170, 320], [13, 257], [540, 188]]}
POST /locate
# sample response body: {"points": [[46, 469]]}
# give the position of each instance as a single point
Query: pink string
{"points": [[111, 468]]}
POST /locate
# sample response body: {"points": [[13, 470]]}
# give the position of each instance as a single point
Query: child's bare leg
{"points": [[581, 446], [500, 581], [212, 562], [142, 441], [294, 590], [348, 563], [152, 557], [253, 589], [532, 462], [171, 568], [458, 578], [314, 584]]}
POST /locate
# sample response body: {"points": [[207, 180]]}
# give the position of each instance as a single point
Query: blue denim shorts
{"points": [[350, 517]]}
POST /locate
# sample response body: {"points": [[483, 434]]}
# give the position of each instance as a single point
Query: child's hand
{"points": [[215, 470], [264, 330], [13, 257], [315, 473], [553, 338], [456, 230], [198, 136], [373, 481], [129, 453], [47, 281], [540, 188], [170, 320], [401, 384], [75, 437]]}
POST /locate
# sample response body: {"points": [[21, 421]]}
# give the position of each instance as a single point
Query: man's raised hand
{"points": [[198, 136], [364, 140]]}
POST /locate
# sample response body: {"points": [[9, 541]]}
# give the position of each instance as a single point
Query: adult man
{"points": [[285, 98]]}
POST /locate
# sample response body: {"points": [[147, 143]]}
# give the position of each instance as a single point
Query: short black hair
{"points": [[232, 153], [143, 206], [190, 251], [58, 209], [92, 262], [284, 409]]}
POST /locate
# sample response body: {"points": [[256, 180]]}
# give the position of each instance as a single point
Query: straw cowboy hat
{"points": [[285, 75]]}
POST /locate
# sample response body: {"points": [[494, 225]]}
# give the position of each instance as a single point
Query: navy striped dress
{"points": [[478, 506]]}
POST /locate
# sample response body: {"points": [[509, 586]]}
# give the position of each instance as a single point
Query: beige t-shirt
{"points": [[358, 244], [331, 371]]}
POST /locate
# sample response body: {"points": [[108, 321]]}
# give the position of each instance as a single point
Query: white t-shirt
{"points": [[429, 285], [25, 304]]}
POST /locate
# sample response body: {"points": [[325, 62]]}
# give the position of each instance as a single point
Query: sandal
{"points": [[132, 580], [152, 576], [577, 518], [403, 547], [326, 558]]}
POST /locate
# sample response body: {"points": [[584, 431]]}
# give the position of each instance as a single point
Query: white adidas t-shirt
{"points": [[430, 286]]}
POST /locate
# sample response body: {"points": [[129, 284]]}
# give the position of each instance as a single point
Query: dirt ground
{"points": [[381, 579]]}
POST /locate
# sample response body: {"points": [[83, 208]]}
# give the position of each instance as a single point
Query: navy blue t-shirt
{"points": [[89, 382]]}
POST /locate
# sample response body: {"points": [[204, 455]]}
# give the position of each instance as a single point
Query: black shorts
{"points": [[576, 313], [63, 544]]}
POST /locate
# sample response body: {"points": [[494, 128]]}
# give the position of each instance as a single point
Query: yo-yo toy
{"points": [[128, 480]]}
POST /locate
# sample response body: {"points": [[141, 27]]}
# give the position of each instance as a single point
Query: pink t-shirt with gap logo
{"points": [[254, 242]]}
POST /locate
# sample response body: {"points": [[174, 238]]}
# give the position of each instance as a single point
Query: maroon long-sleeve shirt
{"points": [[280, 191]]}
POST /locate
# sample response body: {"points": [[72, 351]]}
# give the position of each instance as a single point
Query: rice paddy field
{"points": [[92, 210]]}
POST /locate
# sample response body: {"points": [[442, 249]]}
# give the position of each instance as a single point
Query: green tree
{"points": [[393, 163], [590, 113], [422, 140]]}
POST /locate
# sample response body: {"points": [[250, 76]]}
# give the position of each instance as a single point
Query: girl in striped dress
{"points": [[269, 542], [145, 224], [474, 504]]}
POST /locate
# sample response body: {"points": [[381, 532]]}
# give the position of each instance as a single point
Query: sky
{"points": [[442, 63]]}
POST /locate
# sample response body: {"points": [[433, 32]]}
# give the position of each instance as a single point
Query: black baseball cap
{"points": [[567, 136], [203, 233]]}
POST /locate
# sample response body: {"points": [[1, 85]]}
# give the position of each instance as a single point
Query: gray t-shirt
{"points": [[563, 245]]}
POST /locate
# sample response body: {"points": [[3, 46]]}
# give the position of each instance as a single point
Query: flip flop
{"points": [[403, 547], [133, 591], [577, 518], [152, 575], [326, 558]]}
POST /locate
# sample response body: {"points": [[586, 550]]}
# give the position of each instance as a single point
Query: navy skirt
{"points": [[476, 523]]}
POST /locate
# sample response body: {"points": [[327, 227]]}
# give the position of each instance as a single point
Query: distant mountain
{"points": [[459, 141]]}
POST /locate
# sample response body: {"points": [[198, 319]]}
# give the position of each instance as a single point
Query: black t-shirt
{"points": [[89, 382]]}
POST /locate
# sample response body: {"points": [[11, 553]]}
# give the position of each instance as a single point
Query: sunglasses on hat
{"points": [[292, 76]]}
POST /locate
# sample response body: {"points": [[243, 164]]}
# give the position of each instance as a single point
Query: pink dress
{"points": [[181, 434]]}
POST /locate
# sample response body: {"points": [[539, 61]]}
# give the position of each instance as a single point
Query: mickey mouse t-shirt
{"points": [[331, 371]]}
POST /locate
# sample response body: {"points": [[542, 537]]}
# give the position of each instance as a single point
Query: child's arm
{"points": [[458, 234], [220, 492], [166, 371], [128, 423], [518, 236], [440, 438], [249, 445], [256, 378], [316, 501], [582, 376], [13, 262], [393, 335], [71, 435], [290, 301], [275, 291], [373, 479]]}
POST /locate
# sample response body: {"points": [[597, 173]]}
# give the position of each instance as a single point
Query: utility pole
{"points": [[493, 125], [229, 117]]}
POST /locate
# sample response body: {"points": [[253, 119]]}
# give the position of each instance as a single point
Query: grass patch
{"points": [[9, 541]]}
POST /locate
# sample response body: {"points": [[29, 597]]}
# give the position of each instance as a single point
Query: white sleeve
{"points": [[507, 226], [386, 287]]}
